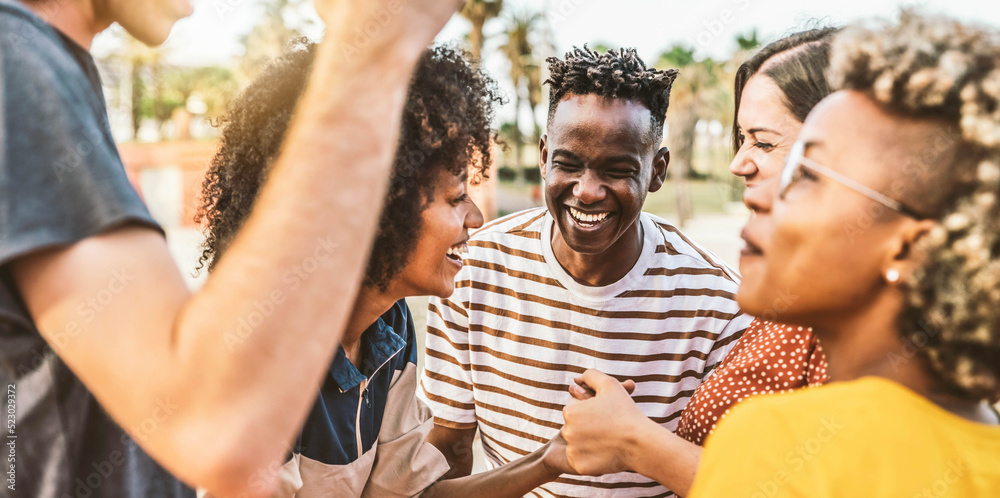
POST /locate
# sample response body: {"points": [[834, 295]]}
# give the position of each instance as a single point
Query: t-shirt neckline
{"points": [[607, 292]]}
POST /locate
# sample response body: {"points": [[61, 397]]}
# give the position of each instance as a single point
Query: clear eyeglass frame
{"points": [[793, 172]]}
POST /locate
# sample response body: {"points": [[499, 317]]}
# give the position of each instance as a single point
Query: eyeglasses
{"points": [[797, 164]]}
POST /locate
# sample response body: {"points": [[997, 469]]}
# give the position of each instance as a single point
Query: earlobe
{"points": [[660, 162]]}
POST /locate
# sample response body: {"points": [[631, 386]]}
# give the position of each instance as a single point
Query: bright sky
{"points": [[212, 34]]}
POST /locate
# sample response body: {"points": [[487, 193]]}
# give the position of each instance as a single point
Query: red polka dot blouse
{"points": [[769, 358]]}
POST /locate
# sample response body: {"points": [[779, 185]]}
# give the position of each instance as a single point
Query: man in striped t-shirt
{"points": [[588, 282]]}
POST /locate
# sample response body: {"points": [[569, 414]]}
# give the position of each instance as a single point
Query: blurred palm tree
{"points": [[143, 63], [142, 86], [525, 74], [478, 12], [533, 71], [699, 93]]}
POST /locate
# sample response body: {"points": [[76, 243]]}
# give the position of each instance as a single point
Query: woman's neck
{"points": [[867, 342], [370, 304]]}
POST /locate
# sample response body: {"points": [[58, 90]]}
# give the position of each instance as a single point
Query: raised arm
{"points": [[237, 364]]}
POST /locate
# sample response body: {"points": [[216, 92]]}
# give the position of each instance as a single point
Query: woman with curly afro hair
{"points": [[885, 229], [366, 432]]}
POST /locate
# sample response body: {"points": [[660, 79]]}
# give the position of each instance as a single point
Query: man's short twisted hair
{"points": [[941, 69], [617, 74]]}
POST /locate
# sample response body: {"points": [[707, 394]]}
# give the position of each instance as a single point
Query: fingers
{"points": [[580, 392], [598, 381], [584, 392]]}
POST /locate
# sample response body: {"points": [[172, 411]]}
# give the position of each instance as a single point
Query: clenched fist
{"points": [[363, 24]]}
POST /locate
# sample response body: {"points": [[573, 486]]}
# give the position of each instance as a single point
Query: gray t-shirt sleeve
{"points": [[61, 179]]}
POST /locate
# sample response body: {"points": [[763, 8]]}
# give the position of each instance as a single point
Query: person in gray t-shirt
{"points": [[98, 332], [60, 180]]}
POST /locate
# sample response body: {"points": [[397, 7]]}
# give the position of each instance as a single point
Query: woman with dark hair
{"points": [[775, 89], [365, 435]]}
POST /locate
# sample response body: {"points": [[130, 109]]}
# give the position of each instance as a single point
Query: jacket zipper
{"points": [[357, 421], [362, 391]]}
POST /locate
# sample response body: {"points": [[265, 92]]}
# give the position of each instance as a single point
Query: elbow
{"points": [[230, 466], [214, 446], [240, 476]]}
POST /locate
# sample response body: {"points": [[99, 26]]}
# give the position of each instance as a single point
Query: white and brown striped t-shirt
{"points": [[503, 349]]}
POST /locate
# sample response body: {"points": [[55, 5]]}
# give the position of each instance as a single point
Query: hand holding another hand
{"points": [[602, 425], [581, 391]]}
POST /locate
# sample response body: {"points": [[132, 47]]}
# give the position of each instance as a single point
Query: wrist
{"points": [[378, 35], [388, 54], [636, 438], [549, 463]]}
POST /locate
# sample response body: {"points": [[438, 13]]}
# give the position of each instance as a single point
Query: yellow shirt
{"points": [[866, 438]]}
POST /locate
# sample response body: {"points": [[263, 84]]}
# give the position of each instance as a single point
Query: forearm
{"points": [[665, 457], [513, 479]]}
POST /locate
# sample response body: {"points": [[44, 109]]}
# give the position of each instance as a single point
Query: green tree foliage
{"points": [[213, 85], [749, 41], [144, 87]]}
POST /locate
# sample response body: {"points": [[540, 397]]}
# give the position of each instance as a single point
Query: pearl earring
{"points": [[892, 275]]}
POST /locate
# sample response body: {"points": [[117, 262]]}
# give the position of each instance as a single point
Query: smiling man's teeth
{"points": [[588, 218]]}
